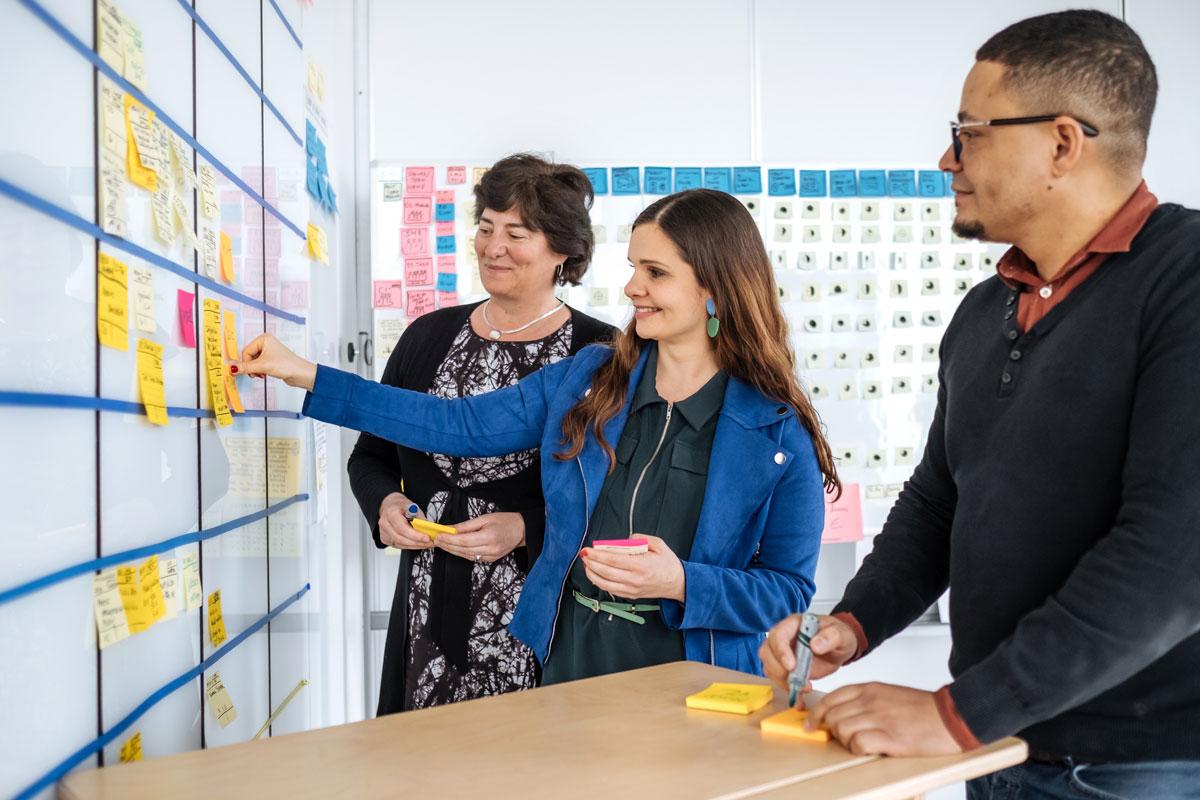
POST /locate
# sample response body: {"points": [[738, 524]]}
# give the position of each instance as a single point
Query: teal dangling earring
{"points": [[714, 324]]}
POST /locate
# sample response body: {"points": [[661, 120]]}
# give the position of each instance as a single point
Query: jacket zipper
{"points": [[563, 586], [637, 486]]}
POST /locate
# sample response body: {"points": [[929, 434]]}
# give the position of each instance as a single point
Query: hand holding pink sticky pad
{"points": [[634, 545]]}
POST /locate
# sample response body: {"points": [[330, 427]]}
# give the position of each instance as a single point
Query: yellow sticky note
{"points": [[109, 33], [111, 625], [231, 393], [216, 622], [732, 698], [477, 174], [150, 380], [112, 303], [214, 365], [132, 749], [218, 699], [208, 192], [112, 120], [193, 594], [135, 53], [151, 591], [318, 245], [143, 299], [130, 590], [311, 238], [231, 352], [226, 257], [140, 145], [168, 579], [208, 251], [791, 723]]}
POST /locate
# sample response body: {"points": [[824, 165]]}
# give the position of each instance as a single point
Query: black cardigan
{"points": [[376, 468]]}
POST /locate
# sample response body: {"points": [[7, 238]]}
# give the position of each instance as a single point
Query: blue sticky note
{"points": [[599, 178], [310, 137], [949, 177], [930, 183], [781, 182], [332, 198], [657, 180], [626, 180], [719, 178], [312, 180], [747, 180], [902, 183], [443, 212], [872, 183], [842, 183], [447, 282], [812, 182], [445, 244], [687, 178]]}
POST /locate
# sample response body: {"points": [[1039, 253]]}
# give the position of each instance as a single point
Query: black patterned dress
{"points": [[496, 662]]}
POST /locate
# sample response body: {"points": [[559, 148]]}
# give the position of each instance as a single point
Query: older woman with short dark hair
{"points": [[447, 638]]}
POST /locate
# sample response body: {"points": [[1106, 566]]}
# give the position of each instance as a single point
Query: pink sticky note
{"points": [[418, 180], [293, 294], [414, 241], [388, 294], [447, 299], [455, 176], [418, 211], [419, 303], [445, 229], [843, 517], [418, 271], [187, 317], [447, 263], [444, 196]]}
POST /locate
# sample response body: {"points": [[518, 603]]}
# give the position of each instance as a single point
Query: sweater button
{"points": [[1012, 298], [780, 458], [1012, 335], [1015, 355], [1006, 377], [1008, 314]]}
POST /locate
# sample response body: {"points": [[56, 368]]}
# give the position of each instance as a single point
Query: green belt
{"points": [[622, 610]]}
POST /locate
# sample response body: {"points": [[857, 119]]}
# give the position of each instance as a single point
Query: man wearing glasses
{"points": [[1059, 492]]}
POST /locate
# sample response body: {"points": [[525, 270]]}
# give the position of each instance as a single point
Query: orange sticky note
{"points": [[226, 257], [843, 517], [791, 723]]}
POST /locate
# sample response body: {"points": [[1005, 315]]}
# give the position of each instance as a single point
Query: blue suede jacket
{"points": [[755, 551]]}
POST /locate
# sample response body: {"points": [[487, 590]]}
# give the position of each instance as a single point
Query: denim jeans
{"points": [[1137, 780]]}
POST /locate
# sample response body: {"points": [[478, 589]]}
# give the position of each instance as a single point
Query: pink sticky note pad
{"points": [[418, 211], [414, 241], [388, 294], [447, 299], [418, 271], [445, 229], [444, 196], [187, 317], [632, 546], [418, 180], [419, 303], [456, 176], [843, 517]]}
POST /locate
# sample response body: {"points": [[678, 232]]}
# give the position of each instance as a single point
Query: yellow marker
{"points": [[732, 698], [216, 621], [791, 723], [226, 257], [432, 529], [150, 379], [132, 749], [112, 303]]}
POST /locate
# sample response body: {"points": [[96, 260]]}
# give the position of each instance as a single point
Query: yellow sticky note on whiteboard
{"points": [[231, 352], [218, 699], [226, 257], [112, 303], [150, 380], [216, 621], [130, 589], [155, 607], [139, 153], [214, 364], [111, 624], [132, 749], [732, 698]]}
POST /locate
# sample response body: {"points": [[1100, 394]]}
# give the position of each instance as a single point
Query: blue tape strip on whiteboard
{"points": [[283, 18], [237, 65], [94, 746], [58, 28], [31, 200], [88, 403], [82, 568]]}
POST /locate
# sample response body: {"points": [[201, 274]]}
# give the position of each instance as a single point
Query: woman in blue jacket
{"points": [[691, 431]]}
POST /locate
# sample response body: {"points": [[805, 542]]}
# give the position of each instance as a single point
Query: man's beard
{"points": [[969, 230]]}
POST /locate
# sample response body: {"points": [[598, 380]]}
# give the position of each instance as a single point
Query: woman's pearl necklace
{"points": [[495, 333]]}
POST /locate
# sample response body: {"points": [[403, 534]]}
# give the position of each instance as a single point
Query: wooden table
{"points": [[625, 735]]}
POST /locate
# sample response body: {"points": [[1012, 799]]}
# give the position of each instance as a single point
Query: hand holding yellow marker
{"points": [[431, 529]]}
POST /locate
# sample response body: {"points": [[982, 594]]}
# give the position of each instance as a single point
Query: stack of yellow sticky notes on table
{"points": [[732, 698], [791, 723]]}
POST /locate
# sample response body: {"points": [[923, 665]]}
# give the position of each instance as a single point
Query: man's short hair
{"points": [[1086, 64]]}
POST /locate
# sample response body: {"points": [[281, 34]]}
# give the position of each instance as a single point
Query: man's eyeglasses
{"points": [[955, 127]]}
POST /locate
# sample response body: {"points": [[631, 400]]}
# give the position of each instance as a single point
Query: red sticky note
{"points": [[455, 176], [388, 294], [447, 299], [843, 517], [418, 271], [445, 229], [418, 211], [444, 196], [418, 180], [419, 303], [187, 318], [414, 241]]}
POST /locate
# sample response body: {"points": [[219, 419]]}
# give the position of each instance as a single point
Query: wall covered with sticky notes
{"points": [[157, 507]]}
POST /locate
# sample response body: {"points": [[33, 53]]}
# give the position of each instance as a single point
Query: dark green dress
{"points": [[670, 443]]}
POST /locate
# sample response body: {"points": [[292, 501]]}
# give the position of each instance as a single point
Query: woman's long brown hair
{"points": [[716, 235]]}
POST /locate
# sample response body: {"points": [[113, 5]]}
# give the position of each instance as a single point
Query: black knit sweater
{"points": [[1059, 499]]}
